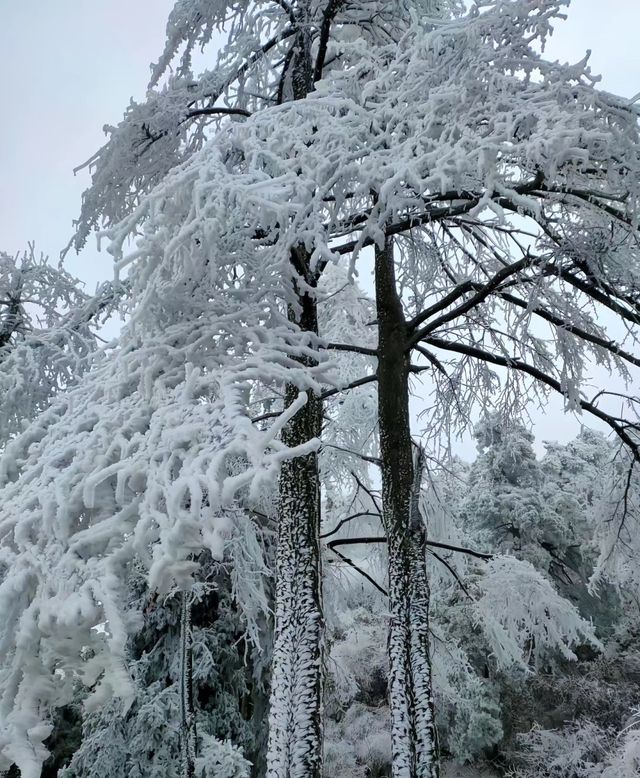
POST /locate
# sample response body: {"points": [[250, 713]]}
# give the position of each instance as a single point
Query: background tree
{"points": [[48, 339], [508, 649], [145, 740], [47, 334]]}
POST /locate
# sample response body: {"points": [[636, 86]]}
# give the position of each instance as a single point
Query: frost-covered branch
{"points": [[617, 425]]}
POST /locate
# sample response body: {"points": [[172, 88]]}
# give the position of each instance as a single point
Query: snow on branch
{"points": [[523, 616]]}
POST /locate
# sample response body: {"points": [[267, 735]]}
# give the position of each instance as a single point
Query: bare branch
{"points": [[370, 460], [364, 574], [353, 385], [432, 543], [346, 520], [443, 561], [329, 393], [481, 295], [369, 352], [221, 110], [368, 491]]}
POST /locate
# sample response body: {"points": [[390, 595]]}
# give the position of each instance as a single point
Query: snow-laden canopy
{"points": [[154, 456], [457, 123], [46, 335], [255, 44], [510, 182]]}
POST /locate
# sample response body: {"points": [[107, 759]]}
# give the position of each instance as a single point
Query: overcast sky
{"points": [[71, 66]]}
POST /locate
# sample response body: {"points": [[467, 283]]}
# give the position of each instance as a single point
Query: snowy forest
{"points": [[239, 540]]}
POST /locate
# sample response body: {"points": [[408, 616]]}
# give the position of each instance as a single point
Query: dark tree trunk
{"points": [[187, 714], [410, 693]]}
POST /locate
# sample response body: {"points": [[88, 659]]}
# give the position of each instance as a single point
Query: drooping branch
{"points": [[524, 367]]}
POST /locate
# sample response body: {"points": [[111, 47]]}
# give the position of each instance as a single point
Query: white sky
{"points": [[71, 66]]}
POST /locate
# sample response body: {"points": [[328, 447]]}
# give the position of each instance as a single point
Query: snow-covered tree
{"points": [[144, 459], [499, 191], [534, 509], [581, 750], [47, 334], [145, 740], [494, 624]]}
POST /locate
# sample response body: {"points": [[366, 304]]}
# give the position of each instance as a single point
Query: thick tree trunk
{"points": [[295, 722], [295, 718], [410, 693]]}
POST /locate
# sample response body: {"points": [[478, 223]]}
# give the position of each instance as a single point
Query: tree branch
{"points": [[443, 561], [583, 334], [544, 378], [324, 395], [471, 200], [328, 16], [366, 575], [432, 543], [358, 382], [368, 491], [483, 291], [346, 520], [353, 541], [221, 110], [371, 460], [287, 9], [369, 352]]}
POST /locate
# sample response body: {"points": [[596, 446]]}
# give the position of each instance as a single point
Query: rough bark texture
{"points": [[410, 695], [295, 722], [295, 717], [187, 715]]}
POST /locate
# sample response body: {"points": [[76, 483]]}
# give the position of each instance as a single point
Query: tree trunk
{"points": [[187, 714], [295, 722], [413, 734], [295, 718]]}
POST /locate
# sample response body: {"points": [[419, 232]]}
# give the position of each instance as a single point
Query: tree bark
{"points": [[187, 714], [414, 742], [295, 722], [295, 717]]}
